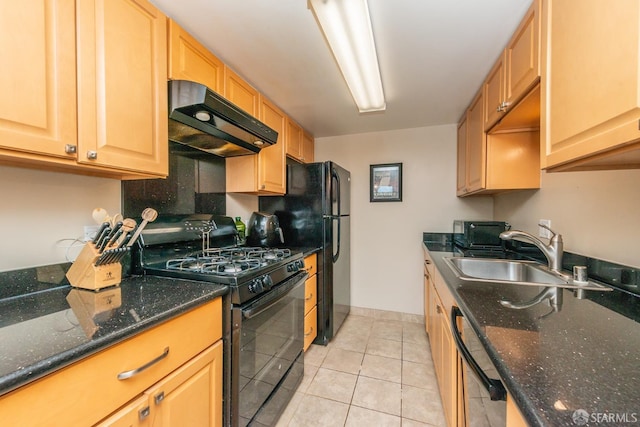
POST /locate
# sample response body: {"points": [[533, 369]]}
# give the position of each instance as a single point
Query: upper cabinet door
{"points": [[522, 57], [272, 160], [38, 77], [308, 147], [241, 93], [494, 106], [189, 60], [122, 85], [590, 84], [294, 140]]}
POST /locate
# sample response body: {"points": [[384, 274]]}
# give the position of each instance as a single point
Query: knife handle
{"points": [[99, 232], [115, 238], [102, 243]]}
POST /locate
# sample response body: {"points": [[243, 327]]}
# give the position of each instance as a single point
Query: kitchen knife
{"points": [[102, 242], [114, 230], [99, 232], [115, 238]]}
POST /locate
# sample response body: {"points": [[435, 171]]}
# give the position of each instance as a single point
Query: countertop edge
{"points": [[47, 366], [524, 404]]}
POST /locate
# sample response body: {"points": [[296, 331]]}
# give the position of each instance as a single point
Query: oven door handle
{"points": [[273, 298], [494, 387]]}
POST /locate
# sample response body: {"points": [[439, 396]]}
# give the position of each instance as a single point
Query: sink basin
{"points": [[513, 272]]}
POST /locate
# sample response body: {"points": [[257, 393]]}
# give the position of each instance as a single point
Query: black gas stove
{"points": [[204, 248]]}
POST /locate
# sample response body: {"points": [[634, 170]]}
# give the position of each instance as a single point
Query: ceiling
{"points": [[433, 56]]}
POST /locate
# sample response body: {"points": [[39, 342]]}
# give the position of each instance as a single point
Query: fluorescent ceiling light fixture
{"points": [[347, 28]]}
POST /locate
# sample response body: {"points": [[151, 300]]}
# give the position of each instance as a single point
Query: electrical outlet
{"points": [[543, 232], [89, 232]]}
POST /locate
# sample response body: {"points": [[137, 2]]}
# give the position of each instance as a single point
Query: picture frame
{"points": [[385, 182]]}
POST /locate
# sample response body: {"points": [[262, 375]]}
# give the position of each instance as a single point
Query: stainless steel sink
{"points": [[530, 273]]}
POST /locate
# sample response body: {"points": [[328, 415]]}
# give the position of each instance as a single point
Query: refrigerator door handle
{"points": [[336, 255], [335, 176]]}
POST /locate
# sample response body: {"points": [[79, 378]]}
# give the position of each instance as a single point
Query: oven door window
{"points": [[271, 339]]}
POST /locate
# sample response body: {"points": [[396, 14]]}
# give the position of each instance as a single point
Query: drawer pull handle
{"points": [[128, 374], [310, 332], [159, 398], [144, 413], [309, 297]]}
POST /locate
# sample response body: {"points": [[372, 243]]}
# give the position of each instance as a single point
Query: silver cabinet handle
{"points": [[70, 149], [128, 374], [92, 155]]}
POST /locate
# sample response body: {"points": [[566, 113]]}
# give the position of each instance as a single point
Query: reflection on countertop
{"points": [[45, 324]]}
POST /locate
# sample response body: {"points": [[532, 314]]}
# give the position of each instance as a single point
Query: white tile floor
{"points": [[377, 371]]}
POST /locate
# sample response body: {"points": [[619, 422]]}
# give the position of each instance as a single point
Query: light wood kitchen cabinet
{"points": [[308, 147], [514, 416], [294, 140], [264, 173], [89, 390], [300, 144], [192, 395], [38, 79], [462, 156], [443, 349], [472, 177], [122, 109], [241, 93], [310, 300], [517, 69], [81, 106], [493, 92], [498, 161], [190, 60], [590, 83]]}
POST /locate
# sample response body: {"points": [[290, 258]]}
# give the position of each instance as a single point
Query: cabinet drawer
{"points": [[87, 391], [310, 327], [310, 293], [311, 264]]}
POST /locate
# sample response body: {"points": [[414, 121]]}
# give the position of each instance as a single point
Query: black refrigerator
{"points": [[315, 213]]}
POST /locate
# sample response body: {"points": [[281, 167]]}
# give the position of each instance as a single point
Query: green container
{"points": [[242, 230]]}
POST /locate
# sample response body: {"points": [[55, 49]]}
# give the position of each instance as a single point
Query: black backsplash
{"points": [[196, 184]]}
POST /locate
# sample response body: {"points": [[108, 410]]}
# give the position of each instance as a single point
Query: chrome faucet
{"points": [[553, 251]]}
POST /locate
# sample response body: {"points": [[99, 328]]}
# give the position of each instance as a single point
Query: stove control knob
{"points": [[267, 282], [255, 287], [292, 267], [300, 264]]}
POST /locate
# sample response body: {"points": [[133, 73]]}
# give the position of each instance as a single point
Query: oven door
{"points": [[484, 397], [267, 362]]}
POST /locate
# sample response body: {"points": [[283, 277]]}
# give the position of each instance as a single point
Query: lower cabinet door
{"points": [[190, 396], [310, 327], [134, 414]]}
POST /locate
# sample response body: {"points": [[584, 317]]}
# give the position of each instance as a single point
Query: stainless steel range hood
{"points": [[202, 119]]}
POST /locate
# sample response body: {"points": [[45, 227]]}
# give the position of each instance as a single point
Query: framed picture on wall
{"points": [[385, 182]]}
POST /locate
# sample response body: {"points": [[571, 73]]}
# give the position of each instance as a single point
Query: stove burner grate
{"points": [[228, 261]]}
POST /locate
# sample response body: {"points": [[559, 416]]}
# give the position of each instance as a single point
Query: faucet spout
{"points": [[552, 251]]}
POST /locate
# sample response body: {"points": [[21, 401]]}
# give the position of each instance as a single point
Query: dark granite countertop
{"points": [[583, 357], [48, 325]]}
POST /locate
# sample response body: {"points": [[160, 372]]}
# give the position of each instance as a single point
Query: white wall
{"points": [[597, 212], [386, 254], [39, 209]]}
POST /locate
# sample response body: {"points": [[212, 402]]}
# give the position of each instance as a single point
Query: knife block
{"points": [[84, 274]]}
